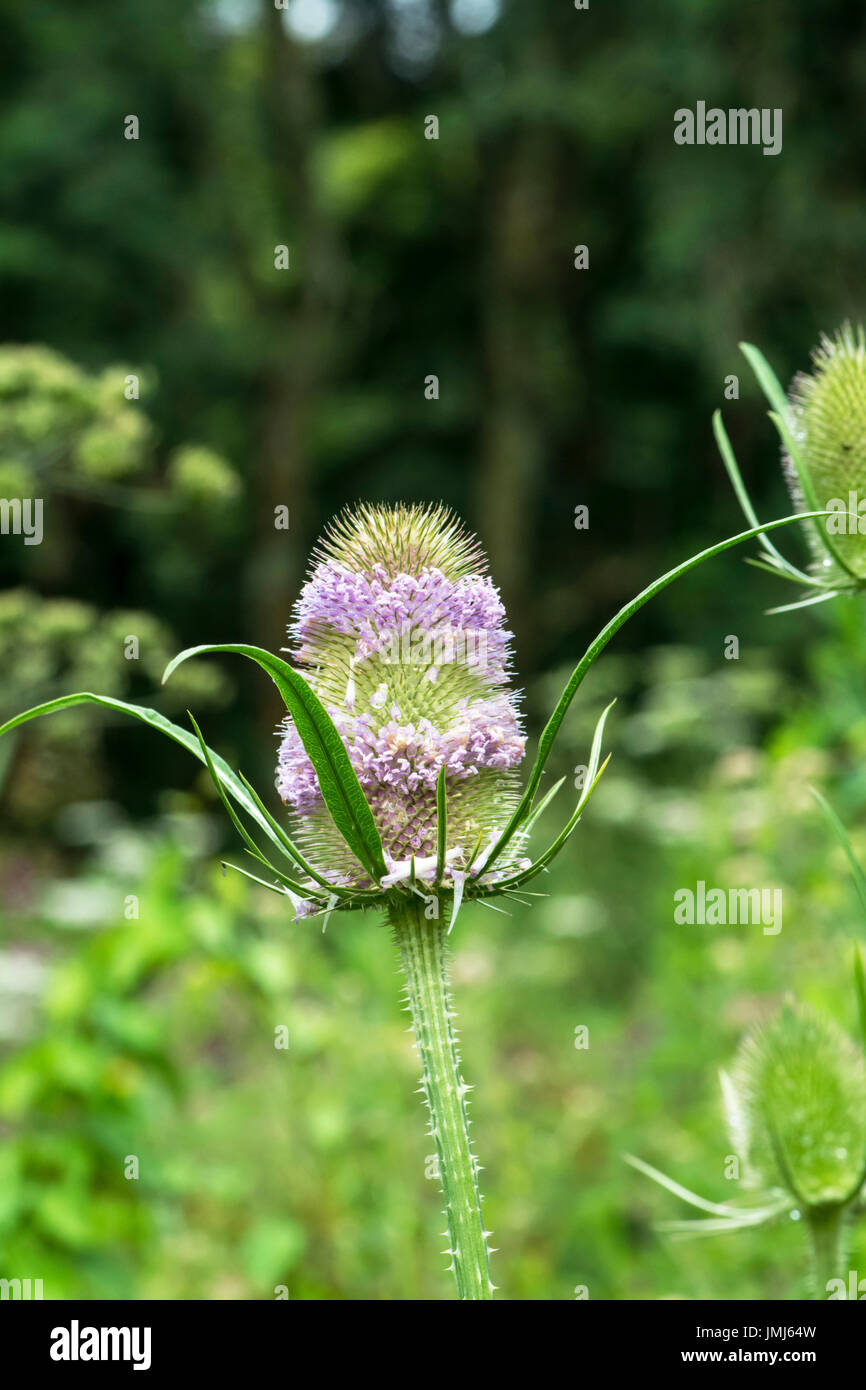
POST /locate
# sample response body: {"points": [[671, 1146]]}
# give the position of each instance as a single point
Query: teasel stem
{"points": [[827, 1230], [424, 957]]}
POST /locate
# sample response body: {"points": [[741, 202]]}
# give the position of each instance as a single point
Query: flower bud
{"points": [[797, 1108], [828, 425]]}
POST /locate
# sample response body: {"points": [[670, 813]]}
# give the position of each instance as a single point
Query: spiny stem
{"points": [[423, 955], [826, 1226]]}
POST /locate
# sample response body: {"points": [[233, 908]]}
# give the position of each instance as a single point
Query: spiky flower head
{"points": [[828, 425], [796, 1103], [401, 634]]}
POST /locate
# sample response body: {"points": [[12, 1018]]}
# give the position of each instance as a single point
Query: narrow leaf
{"points": [[272, 887], [527, 828], [780, 414], [593, 775], [236, 821], [804, 478], [767, 379], [526, 875], [459, 883], [730, 462], [713, 1208], [292, 852], [685, 1230], [441, 824], [792, 575], [338, 781], [844, 839], [823, 597], [229, 779], [551, 729]]}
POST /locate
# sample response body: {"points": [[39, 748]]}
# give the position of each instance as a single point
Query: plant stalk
{"points": [[826, 1226], [423, 955]]}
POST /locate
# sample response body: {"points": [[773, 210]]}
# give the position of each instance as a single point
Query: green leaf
{"points": [[236, 821], [527, 875], [723, 1215], [714, 1208], [593, 777], [730, 462], [337, 778], [229, 779], [767, 379], [823, 597], [459, 884], [538, 811], [551, 729], [292, 852], [805, 480], [770, 567], [845, 841], [441, 824], [780, 415], [271, 887]]}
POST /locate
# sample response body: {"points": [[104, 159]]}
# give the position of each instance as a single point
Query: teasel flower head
{"points": [[401, 633], [796, 1105], [822, 427], [828, 424], [795, 1102]]}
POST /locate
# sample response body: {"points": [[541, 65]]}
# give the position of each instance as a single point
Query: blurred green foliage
{"points": [[154, 1036], [66, 434]]}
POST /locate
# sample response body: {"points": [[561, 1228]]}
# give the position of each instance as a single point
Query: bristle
{"points": [[403, 540]]}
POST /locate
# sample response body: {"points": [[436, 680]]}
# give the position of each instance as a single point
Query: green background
{"points": [[153, 1036]]}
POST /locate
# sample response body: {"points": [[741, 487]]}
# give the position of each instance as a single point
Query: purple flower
{"points": [[402, 635]]}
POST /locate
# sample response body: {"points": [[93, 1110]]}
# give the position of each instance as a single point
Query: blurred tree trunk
{"points": [[521, 273], [296, 308]]}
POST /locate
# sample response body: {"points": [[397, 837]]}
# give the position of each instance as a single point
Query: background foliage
{"points": [[154, 1035]]}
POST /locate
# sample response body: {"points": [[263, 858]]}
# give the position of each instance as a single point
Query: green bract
{"points": [[822, 428], [796, 1103]]}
